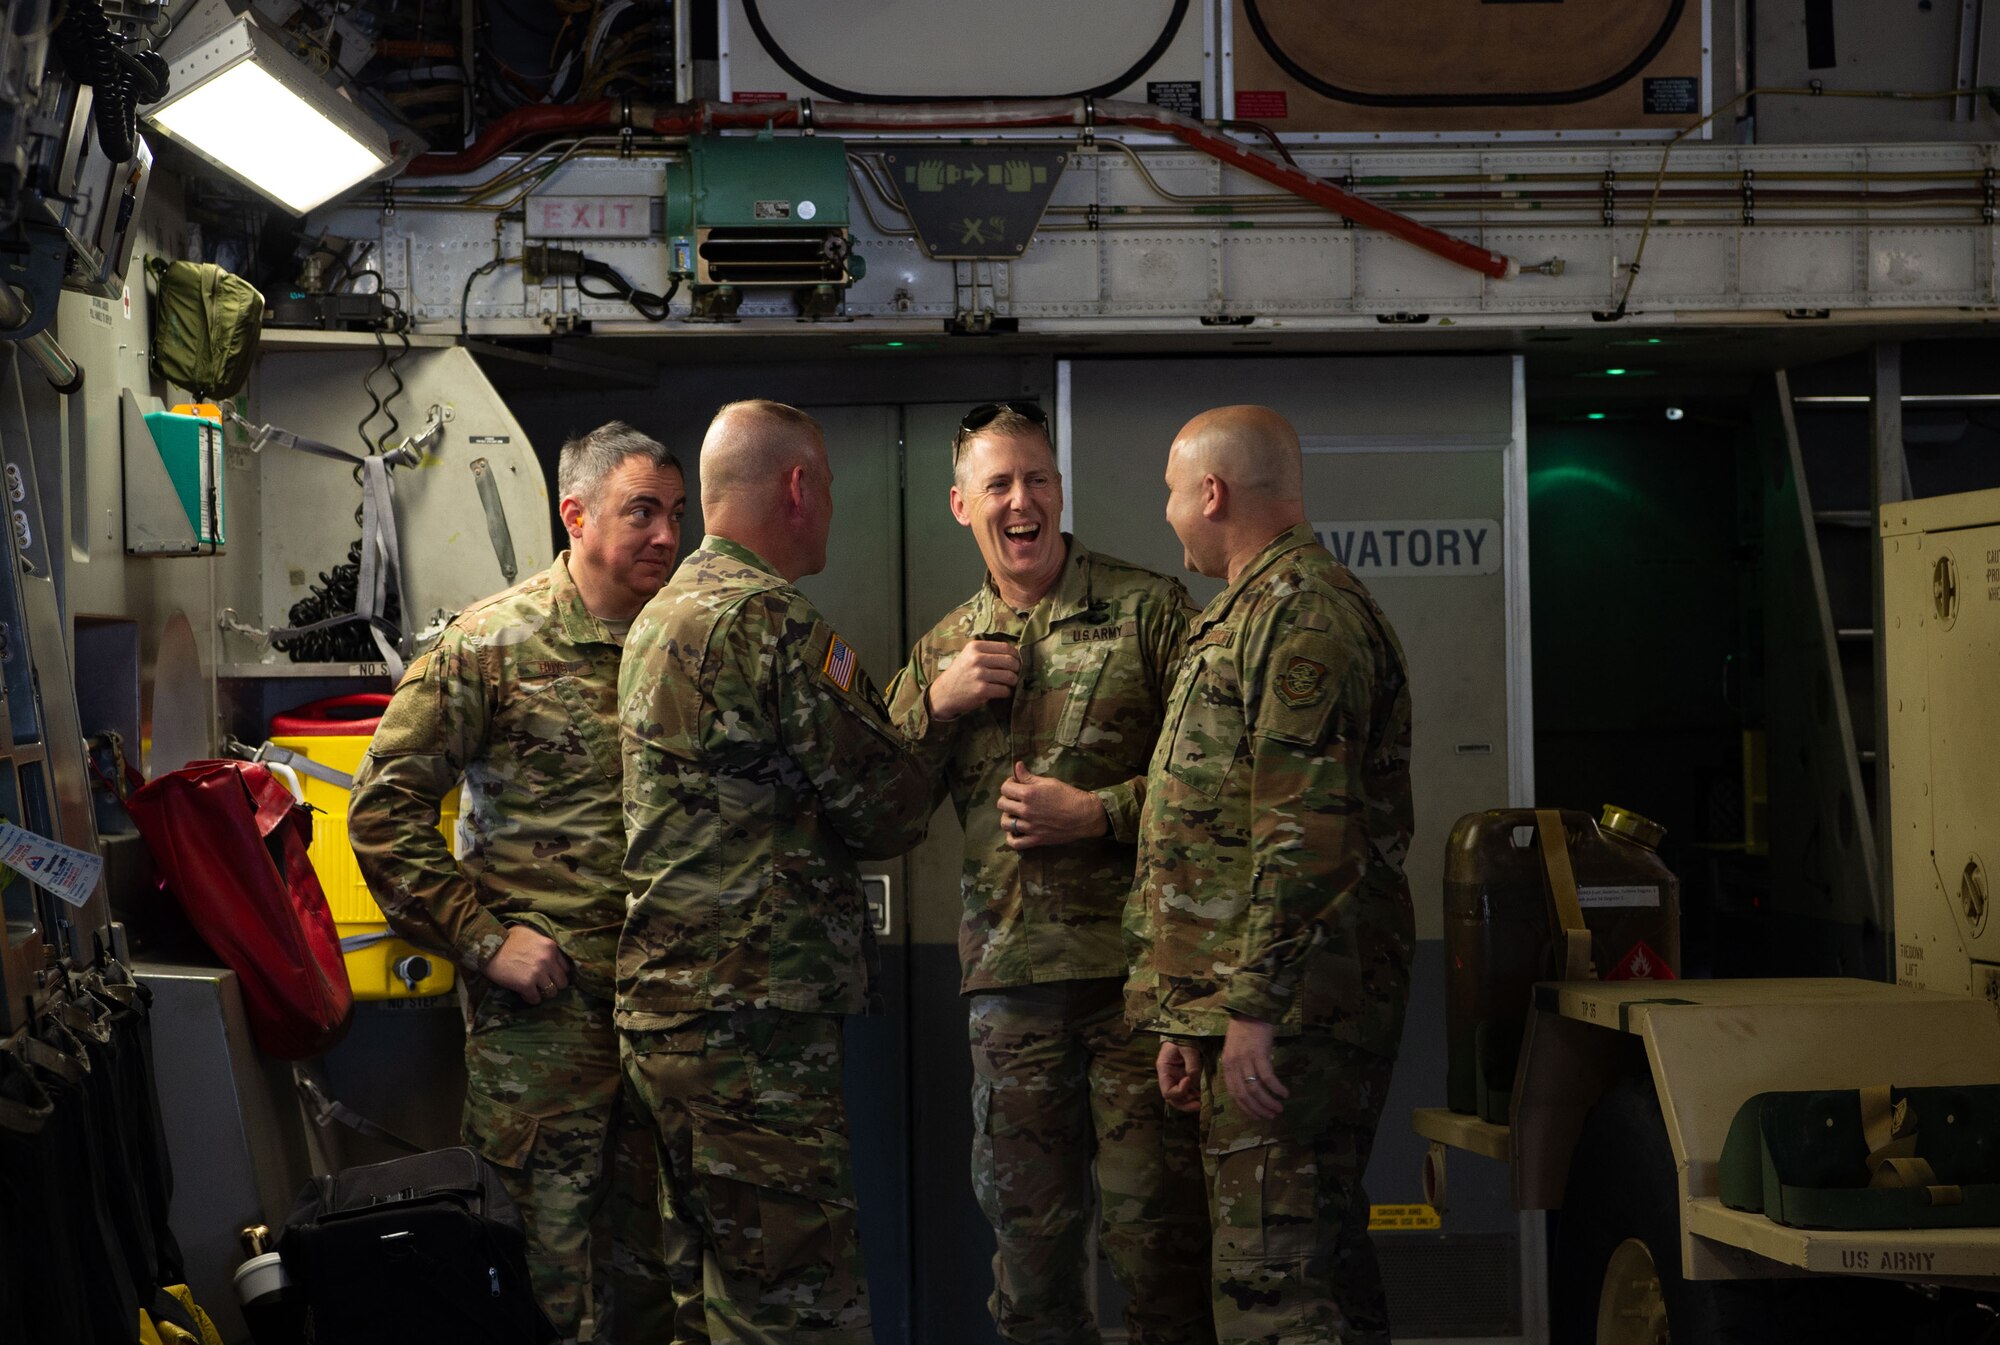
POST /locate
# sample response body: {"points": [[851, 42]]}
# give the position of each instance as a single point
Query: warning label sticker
{"points": [[1403, 1218], [1641, 964], [1617, 896], [1261, 104], [1175, 95]]}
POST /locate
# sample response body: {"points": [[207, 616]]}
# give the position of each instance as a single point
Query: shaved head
{"points": [[1253, 448], [1235, 480], [767, 484], [750, 446]]}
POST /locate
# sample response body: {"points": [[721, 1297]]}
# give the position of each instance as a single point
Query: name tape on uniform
{"points": [[70, 874], [1439, 546]]}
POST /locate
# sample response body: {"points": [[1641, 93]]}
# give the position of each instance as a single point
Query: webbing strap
{"points": [[381, 552], [1890, 1128], [1884, 1120], [305, 765], [381, 564], [1562, 893], [324, 1111]]}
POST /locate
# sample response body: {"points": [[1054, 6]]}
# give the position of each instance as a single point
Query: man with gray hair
{"points": [[517, 702]]}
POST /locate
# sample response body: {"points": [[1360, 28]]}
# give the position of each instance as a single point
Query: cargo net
{"points": [[334, 596]]}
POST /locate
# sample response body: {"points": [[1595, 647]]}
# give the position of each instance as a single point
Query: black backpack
{"points": [[427, 1247]]}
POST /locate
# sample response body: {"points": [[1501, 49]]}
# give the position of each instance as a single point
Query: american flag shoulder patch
{"points": [[841, 661]]}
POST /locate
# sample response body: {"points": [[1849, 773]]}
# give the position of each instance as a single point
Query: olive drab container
{"points": [[1543, 895]]}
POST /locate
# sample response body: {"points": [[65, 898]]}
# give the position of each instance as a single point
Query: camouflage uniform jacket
{"points": [[1277, 815], [1098, 654], [518, 699], [759, 766]]}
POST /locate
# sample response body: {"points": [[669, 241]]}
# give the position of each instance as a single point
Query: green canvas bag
{"points": [[1876, 1157], [205, 327]]}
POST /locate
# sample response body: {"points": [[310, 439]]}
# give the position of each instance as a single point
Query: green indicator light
{"points": [[893, 345], [1595, 415], [1613, 373], [1652, 340]]}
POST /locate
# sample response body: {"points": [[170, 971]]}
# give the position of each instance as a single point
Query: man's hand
{"points": [[1179, 1071], [982, 671], [529, 963], [1247, 1069], [1036, 810]]}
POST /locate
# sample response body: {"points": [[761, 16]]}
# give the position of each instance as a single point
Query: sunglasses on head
{"points": [[979, 417]]}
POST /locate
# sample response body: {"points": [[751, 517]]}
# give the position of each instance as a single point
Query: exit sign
{"points": [[593, 216]]}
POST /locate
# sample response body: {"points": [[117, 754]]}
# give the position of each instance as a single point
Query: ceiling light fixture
{"points": [[243, 102]]}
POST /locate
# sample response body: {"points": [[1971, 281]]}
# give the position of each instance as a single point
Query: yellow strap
{"points": [[1945, 1195], [1881, 1119], [1562, 890], [1902, 1174]]}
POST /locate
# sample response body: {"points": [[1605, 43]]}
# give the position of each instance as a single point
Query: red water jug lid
{"points": [[352, 716]]}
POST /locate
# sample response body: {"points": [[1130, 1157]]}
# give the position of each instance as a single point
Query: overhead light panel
{"points": [[243, 102]]}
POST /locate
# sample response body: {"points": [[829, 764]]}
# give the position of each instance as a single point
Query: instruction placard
{"points": [[1404, 1218], [70, 874]]}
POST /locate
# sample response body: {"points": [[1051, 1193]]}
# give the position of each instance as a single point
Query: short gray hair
{"points": [[588, 458]]}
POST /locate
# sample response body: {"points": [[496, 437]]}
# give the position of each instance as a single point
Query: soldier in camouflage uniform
{"points": [[1036, 705], [1270, 913], [759, 766], [518, 700]]}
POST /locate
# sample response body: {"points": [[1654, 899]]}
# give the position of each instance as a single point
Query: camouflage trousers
{"points": [[752, 1135], [544, 1104], [1059, 1079], [1292, 1259]]}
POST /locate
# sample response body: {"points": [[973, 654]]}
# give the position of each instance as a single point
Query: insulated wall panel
{"points": [[1310, 69], [891, 50]]}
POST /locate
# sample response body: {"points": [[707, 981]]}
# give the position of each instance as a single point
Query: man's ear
{"points": [[571, 511], [795, 493], [1214, 497], [959, 510]]}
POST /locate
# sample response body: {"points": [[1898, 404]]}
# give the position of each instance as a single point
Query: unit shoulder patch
{"points": [[1302, 683], [841, 663]]}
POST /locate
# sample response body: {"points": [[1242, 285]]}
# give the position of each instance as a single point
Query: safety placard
{"points": [[69, 873], [975, 203], [1404, 1218], [1642, 895]]}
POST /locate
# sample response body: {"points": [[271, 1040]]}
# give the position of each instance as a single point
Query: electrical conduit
{"points": [[700, 118]]}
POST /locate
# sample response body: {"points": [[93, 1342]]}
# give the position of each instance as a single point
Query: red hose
{"points": [[688, 119], [516, 126]]}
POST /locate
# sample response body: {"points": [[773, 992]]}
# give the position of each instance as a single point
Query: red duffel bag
{"points": [[229, 841]]}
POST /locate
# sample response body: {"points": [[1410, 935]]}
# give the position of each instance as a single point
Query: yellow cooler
{"points": [[335, 733]]}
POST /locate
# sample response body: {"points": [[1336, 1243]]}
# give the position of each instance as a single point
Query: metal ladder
{"points": [[1836, 456]]}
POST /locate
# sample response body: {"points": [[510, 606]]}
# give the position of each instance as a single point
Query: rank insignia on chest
{"points": [[1302, 683], [841, 661]]}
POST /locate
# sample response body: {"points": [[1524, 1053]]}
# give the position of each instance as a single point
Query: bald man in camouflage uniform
{"points": [[1270, 911], [759, 766], [1036, 704], [518, 700]]}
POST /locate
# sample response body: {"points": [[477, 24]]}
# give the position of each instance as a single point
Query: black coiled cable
{"points": [[123, 80], [650, 306], [335, 595]]}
